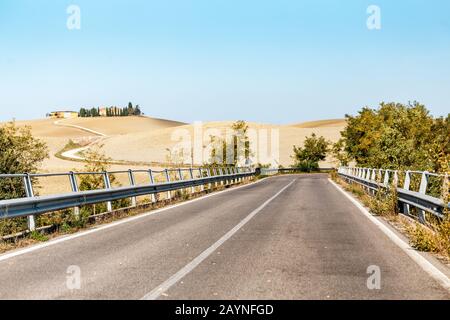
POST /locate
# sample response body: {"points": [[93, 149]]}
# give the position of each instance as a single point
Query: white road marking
{"points": [[166, 285], [426, 265], [116, 223]]}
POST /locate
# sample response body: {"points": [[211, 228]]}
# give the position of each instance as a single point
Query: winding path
{"points": [[73, 154]]}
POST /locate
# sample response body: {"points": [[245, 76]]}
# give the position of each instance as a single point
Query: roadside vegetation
{"points": [[401, 137], [234, 153], [23, 153], [396, 136], [20, 153], [314, 149]]}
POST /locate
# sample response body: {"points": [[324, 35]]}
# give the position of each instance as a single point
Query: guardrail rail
{"points": [[376, 179], [273, 171], [32, 205]]}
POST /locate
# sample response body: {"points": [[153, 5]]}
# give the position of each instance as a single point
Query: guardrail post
{"points": [[215, 174], [107, 186], [386, 178], [423, 190], [169, 195], [369, 171], [406, 185], [227, 180], [31, 224], [180, 176], [220, 174], [202, 187], [374, 175], [132, 183], [445, 188], [395, 181], [152, 181], [192, 178], [74, 187], [208, 173]]}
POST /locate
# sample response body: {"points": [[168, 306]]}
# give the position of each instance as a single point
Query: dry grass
{"points": [[146, 140], [56, 137], [112, 126], [143, 139], [153, 145], [46, 128]]}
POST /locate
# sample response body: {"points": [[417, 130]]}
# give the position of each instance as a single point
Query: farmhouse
{"points": [[63, 114]]}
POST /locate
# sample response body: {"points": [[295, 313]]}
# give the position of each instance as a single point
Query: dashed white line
{"points": [[166, 285]]}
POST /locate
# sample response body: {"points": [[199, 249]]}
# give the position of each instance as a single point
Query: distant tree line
{"points": [[111, 111]]}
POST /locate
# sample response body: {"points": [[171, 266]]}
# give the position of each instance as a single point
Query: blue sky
{"points": [[271, 61]]}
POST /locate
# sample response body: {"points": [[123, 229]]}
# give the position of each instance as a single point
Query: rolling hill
{"points": [[148, 140], [142, 142]]}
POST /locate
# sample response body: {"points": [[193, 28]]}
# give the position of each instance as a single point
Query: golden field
{"points": [[139, 141]]}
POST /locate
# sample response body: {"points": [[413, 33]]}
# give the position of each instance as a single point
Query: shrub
{"points": [[314, 150], [307, 165], [422, 238]]}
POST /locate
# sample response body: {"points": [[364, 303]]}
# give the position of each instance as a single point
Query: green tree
{"points": [[94, 112], [130, 109], [236, 152], [338, 152], [397, 136], [314, 150], [20, 153], [137, 110], [82, 112]]}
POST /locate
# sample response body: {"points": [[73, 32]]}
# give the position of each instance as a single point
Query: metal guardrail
{"points": [[376, 179], [272, 171], [32, 205]]}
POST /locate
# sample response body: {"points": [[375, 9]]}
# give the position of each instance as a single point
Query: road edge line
{"points": [[426, 265]]}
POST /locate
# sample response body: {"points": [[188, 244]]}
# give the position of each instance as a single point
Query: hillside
{"points": [[122, 125], [154, 145], [57, 133], [144, 139], [321, 123]]}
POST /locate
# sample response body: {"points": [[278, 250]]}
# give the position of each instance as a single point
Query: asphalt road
{"points": [[287, 237]]}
